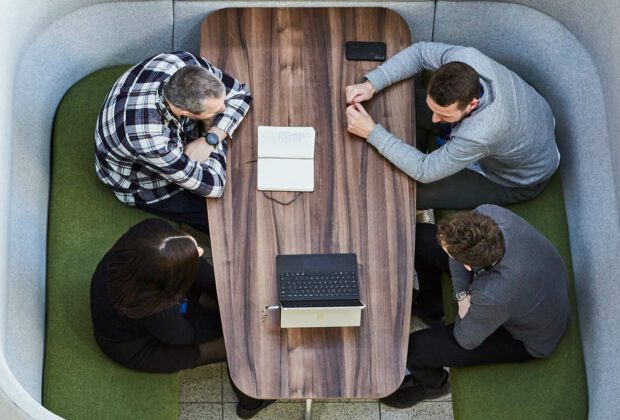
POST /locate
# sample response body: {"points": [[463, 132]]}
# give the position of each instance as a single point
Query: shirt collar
{"points": [[485, 95], [479, 270]]}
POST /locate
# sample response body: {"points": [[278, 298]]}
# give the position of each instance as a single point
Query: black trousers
{"points": [[466, 189], [183, 207], [433, 348]]}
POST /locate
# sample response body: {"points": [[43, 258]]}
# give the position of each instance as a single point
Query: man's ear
{"points": [[474, 103]]}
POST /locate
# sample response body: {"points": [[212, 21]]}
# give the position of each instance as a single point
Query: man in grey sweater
{"points": [[512, 292], [498, 132]]}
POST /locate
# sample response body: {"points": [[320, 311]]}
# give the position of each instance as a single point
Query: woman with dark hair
{"points": [[154, 304]]}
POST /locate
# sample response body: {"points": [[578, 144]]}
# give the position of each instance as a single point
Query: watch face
{"points": [[460, 295], [212, 139]]}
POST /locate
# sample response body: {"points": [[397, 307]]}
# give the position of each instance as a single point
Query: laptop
{"points": [[318, 290]]}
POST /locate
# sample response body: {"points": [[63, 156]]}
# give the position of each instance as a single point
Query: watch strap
{"points": [[459, 296]]}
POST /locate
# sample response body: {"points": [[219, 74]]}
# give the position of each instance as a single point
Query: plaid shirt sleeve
{"points": [[238, 100], [206, 179]]}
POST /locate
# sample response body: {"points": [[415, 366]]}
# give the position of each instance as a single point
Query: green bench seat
{"points": [[85, 219], [554, 388]]}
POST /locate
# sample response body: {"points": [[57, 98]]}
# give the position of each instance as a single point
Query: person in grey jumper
{"points": [[511, 286], [499, 133]]}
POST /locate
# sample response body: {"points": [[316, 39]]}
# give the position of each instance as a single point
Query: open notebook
{"points": [[286, 158]]}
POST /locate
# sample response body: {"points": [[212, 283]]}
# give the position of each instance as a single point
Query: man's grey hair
{"points": [[190, 86]]}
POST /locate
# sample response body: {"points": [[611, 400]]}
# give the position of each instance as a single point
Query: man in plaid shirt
{"points": [[161, 135]]}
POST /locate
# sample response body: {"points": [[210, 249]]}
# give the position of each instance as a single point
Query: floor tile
{"points": [[347, 400], [200, 411], [278, 410], [228, 395], [320, 411], [427, 410], [348, 410], [202, 384]]}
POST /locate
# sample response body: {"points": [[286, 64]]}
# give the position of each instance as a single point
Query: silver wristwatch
{"points": [[459, 296]]}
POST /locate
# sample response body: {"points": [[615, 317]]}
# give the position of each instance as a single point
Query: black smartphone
{"points": [[365, 51]]}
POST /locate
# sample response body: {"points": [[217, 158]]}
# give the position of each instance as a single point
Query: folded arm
{"points": [[237, 101], [420, 56], [449, 159], [206, 178]]}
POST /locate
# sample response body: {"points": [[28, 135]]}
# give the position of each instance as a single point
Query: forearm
{"points": [[205, 178], [221, 134], [213, 171], [481, 320], [419, 166], [170, 327], [461, 277], [412, 60], [449, 159], [238, 100]]}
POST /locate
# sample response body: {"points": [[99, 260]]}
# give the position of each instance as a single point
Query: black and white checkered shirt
{"points": [[140, 143]]}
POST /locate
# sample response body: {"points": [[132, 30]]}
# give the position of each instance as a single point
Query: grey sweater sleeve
{"points": [[482, 319], [452, 157], [411, 60], [461, 277]]}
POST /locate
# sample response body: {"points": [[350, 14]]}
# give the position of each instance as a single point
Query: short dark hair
{"points": [[189, 86], [152, 266], [471, 238], [454, 82]]}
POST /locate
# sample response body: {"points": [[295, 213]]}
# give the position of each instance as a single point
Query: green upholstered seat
{"points": [[85, 219], [554, 388]]}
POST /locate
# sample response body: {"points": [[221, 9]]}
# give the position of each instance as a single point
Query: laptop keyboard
{"points": [[304, 286]]}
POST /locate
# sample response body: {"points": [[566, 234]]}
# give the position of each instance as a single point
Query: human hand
{"points": [[358, 121], [199, 150], [359, 92], [464, 305]]}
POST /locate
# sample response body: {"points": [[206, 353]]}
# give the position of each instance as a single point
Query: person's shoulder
{"points": [[152, 140], [166, 64], [484, 65], [142, 108], [496, 212], [187, 58]]}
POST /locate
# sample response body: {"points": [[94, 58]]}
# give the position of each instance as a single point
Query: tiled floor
{"points": [[205, 393]]}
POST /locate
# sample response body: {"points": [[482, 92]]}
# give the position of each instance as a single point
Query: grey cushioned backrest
{"points": [[551, 59], [75, 45], [113, 33], [189, 14], [595, 24]]}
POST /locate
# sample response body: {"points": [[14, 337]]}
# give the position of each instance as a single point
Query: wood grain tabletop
{"points": [[293, 61]]}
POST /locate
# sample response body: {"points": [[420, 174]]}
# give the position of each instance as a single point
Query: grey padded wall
{"points": [[189, 14], [548, 55], [69, 48], [47, 46]]}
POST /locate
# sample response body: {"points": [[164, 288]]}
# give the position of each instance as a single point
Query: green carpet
{"points": [[85, 219], [554, 388]]}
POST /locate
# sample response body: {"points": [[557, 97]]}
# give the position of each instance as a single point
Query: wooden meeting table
{"points": [[293, 61]]}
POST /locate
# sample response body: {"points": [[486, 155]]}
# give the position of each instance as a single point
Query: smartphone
{"points": [[365, 51]]}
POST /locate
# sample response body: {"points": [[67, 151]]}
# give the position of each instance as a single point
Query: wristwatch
{"points": [[459, 296], [212, 139]]}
